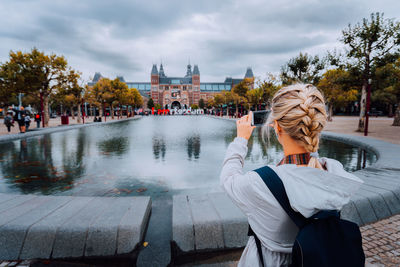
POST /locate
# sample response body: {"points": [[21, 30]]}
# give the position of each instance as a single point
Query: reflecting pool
{"points": [[150, 156]]}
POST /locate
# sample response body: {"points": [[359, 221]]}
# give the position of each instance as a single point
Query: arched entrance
{"points": [[176, 105]]}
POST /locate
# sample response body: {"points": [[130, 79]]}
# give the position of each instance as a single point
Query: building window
{"points": [[166, 88], [190, 87], [184, 88]]}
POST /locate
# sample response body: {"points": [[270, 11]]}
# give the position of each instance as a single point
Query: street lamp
{"points": [[104, 110], [368, 107], [82, 106]]}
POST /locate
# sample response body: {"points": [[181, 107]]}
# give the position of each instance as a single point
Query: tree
{"points": [[255, 97], [150, 103], [34, 72], [241, 88], [302, 68], [367, 42], [69, 94], [194, 106], [118, 90], [388, 77], [102, 92], [202, 103], [337, 89]]}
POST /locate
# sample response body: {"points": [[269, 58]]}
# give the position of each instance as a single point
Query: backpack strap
{"points": [[275, 185]]}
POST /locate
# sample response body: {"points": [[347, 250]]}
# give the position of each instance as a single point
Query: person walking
{"points": [[38, 119], [19, 117], [312, 183], [8, 121], [27, 121]]}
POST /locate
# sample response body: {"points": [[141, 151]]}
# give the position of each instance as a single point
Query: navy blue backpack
{"points": [[323, 240]]}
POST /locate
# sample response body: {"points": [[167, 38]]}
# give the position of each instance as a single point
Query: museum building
{"points": [[181, 92]]}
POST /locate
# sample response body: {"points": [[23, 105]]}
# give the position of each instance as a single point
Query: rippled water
{"points": [[150, 156]]}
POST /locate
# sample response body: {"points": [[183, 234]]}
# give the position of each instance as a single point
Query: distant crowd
{"points": [[22, 118]]}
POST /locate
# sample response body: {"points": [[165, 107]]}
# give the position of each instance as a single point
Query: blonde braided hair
{"points": [[300, 111]]}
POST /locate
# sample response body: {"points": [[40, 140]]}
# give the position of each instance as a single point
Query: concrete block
{"points": [[133, 224], [379, 205], [234, 222], [71, 236], [40, 237], [14, 202], [364, 208], [389, 197], [182, 223], [6, 197], [350, 213], [12, 234], [207, 224], [102, 234]]}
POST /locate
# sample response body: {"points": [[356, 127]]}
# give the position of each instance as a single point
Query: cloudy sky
{"points": [[125, 37]]}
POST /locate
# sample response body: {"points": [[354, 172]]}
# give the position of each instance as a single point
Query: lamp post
{"points": [[41, 107], [82, 106], [104, 110], [368, 107]]}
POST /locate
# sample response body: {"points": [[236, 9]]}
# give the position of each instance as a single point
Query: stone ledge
{"points": [[70, 227], [226, 225]]}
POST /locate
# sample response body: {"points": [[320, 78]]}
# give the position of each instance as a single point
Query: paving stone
{"points": [[12, 234], [207, 224], [45, 229], [234, 222], [71, 236], [133, 224]]}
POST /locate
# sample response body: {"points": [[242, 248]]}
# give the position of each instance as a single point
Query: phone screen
{"points": [[259, 117]]}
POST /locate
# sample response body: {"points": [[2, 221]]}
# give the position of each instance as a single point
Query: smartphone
{"points": [[259, 117]]}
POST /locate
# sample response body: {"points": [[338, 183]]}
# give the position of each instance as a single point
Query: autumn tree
{"points": [[366, 43], [35, 73], [302, 68], [103, 93], [337, 89]]}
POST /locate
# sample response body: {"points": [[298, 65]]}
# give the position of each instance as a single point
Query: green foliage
{"points": [[150, 103], [202, 103], [302, 68], [157, 106], [194, 106]]}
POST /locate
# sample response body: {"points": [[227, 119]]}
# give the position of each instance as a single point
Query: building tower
{"points": [[195, 85], [155, 81], [162, 74], [249, 77]]}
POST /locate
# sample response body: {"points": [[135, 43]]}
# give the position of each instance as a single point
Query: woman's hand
{"points": [[244, 127]]}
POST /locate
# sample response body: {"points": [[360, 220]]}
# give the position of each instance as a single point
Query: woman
{"points": [[298, 116]]}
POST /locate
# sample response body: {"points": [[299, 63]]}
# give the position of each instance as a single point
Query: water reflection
{"points": [[159, 147], [130, 158], [193, 147]]}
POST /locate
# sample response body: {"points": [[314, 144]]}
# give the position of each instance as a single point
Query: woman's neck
{"points": [[290, 146]]}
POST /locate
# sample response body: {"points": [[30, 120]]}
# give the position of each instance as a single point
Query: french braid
{"points": [[300, 110]]}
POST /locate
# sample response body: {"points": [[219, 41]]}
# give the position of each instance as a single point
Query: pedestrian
{"points": [[38, 119], [311, 183], [8, 121], [27, 121], [19, 117]]}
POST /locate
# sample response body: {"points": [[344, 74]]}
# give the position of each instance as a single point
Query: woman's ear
{"points": [[278, 128]]}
